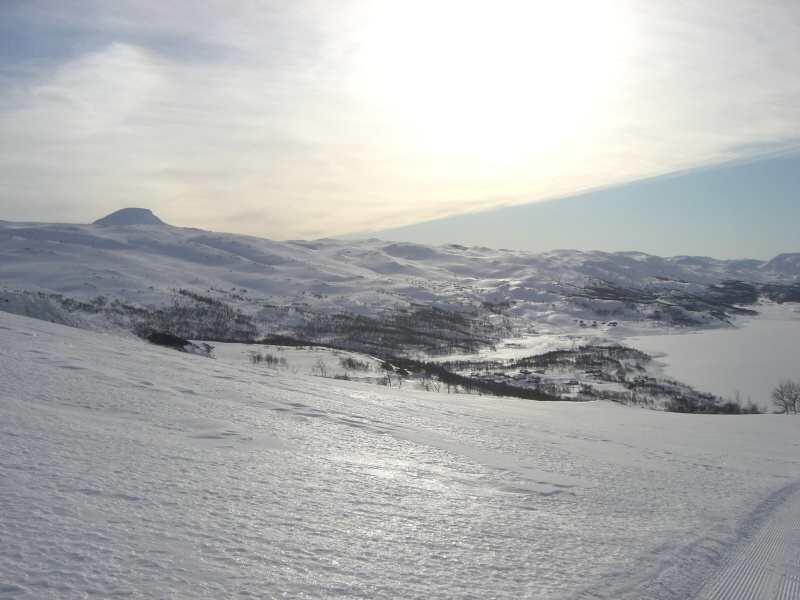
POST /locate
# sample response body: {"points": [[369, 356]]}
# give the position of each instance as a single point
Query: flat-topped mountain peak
{"points": [[130, 216]]}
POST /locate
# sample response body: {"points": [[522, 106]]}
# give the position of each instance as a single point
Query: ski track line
{"points": [[758, 561], [767, 566]]}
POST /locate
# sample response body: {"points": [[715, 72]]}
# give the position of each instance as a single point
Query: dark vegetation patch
{"points": [[721, 300], [200, 318], [443, 374], [167, 339], [778, 292], [418, 329], [599, 365]]}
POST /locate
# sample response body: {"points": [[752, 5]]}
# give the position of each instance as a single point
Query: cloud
{"points": [[307, 119]]}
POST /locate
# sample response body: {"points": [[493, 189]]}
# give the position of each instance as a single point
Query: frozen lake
{"points": [[751, 358]]}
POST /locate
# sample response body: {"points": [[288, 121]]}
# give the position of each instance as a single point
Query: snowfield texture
{"points": [[128, 469]]}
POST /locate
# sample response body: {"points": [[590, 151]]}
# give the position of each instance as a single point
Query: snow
{"points": [[751, 358], [131, 469], [140, 256], [127, 469]]}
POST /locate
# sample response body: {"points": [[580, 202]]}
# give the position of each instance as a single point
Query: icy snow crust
{"points": [[128, 469]]}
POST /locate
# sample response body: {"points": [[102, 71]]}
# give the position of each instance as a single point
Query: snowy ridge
{"points": [[784, 264], [131, 469]]}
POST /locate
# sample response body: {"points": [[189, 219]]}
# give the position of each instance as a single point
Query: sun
{"points": [[491, 80]]}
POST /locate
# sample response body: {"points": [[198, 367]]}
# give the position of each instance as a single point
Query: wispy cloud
{"points": [[309, 119]]}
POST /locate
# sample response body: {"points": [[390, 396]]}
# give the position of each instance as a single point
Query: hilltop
{"points": [[130, 216]]}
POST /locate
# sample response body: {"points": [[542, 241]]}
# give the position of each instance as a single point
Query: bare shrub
{"points": [[786, 396], [320, 368]]}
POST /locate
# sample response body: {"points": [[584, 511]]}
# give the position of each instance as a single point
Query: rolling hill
{"points": [[117, 270]]}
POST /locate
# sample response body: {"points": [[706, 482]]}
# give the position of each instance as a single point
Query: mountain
{"points": [[130, 216], [131, 270], [784, 265]]}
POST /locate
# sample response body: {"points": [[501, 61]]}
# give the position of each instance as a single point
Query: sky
{"points": [[733, 211], [520, 124]]}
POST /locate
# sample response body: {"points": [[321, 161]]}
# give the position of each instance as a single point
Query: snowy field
{"points": [[751, 358], [131, 470]]}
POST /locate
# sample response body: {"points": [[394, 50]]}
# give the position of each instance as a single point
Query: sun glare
{"points": [[493, 81]]}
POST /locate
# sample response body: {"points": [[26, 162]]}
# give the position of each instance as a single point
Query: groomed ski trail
{"points": [[767, 565]]}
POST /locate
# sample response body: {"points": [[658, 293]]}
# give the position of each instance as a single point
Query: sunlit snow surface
{"points": [[131, 470]]}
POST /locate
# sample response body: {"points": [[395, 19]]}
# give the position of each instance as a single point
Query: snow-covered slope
{"points": [[127, 469]]}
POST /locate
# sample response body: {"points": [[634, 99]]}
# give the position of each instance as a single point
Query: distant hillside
{"points": [[131, 270]]}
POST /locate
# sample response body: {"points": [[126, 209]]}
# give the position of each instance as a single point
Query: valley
{"points": [[400, 302]]}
